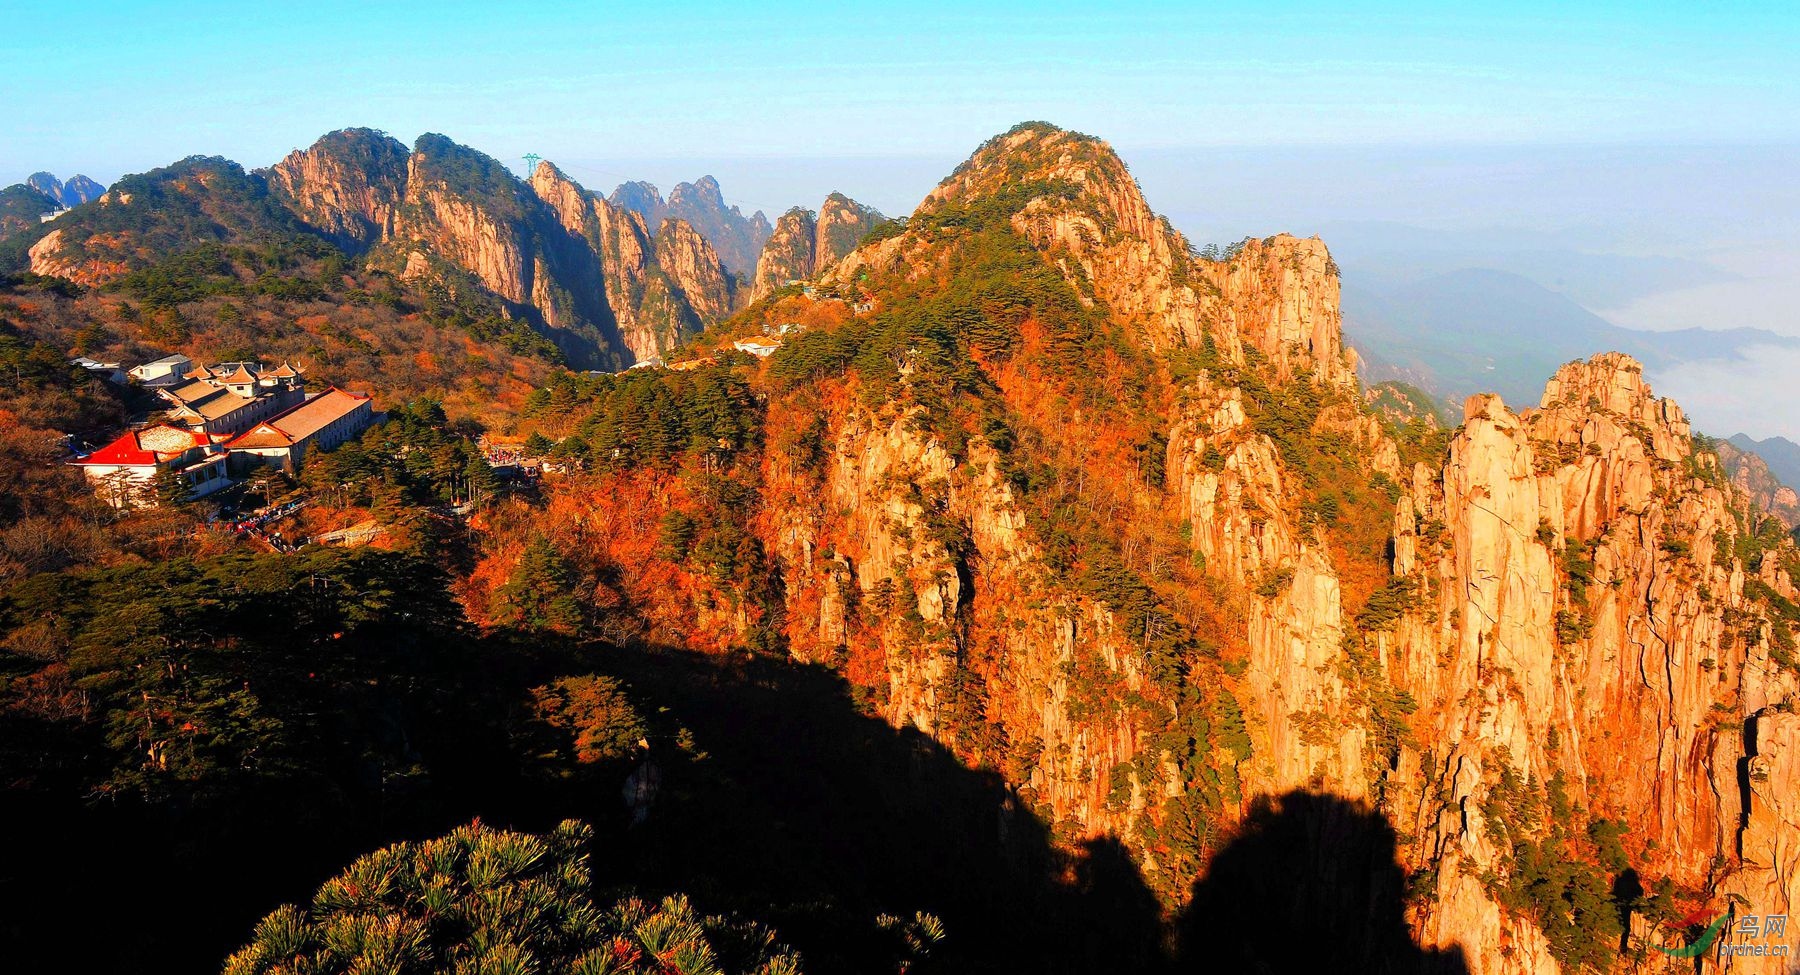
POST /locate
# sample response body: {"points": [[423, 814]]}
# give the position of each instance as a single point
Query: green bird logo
{"points": [[1702, 943]]}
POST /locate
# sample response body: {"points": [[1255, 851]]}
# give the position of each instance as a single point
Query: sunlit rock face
{"points": [[1581, 629], [610, 287], [805, 244]]}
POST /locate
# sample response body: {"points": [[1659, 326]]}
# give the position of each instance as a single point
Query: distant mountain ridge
{"points": [[24, 205], [606, 287], [1781, 454], [806, 244], [78, 190], [1479, 330], [609, 287], [1747, 464], [738, 239]]}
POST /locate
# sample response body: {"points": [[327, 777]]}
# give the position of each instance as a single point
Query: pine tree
{"points": [[540, 594], [484, 900], [596, 714], [169, 489]]}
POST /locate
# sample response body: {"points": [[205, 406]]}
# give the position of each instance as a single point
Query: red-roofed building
{"points": [[321, 423], [123, 472]]}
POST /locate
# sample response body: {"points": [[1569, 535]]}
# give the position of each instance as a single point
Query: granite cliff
{"points": [[1754, 476], [1114, 520], [804, 244], [701, 204], [78, 190], [597, 280]]}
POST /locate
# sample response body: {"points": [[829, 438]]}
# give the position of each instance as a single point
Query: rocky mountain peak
{"points": [[641, 198], [1074, 200], [1604, 398], [790, 253], [841, 226], [78, 190], [694, 267], [548, 181], [1036, 153], [702, 192], [1611, 381], [346, 184], [805, 244], [737, 238]]}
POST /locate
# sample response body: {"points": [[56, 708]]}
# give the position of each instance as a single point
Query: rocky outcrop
{"points": [[1586, 622], [78, 190], [47, 259], [660, 290], [804, 243], [841, 225], [1750, 474], [737, 239], [790, 254], [349, 184], [1230, 485], [694, 270], [1279, 296]]}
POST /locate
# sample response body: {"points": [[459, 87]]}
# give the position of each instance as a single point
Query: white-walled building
{"points": [[124, 472], [164, 371], [321, 423]]}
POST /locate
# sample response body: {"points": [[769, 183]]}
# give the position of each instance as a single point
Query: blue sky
{"points": [[117, 87]]}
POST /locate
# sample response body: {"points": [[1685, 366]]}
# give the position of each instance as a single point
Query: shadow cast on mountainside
{"points": [[805, 811], [1308, 883], [778, 799]]}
